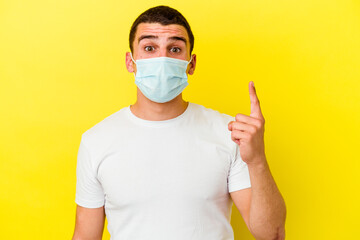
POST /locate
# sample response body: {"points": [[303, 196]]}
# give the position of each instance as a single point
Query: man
{"points": [[165, 168]]}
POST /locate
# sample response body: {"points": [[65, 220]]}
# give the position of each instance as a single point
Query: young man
{"points": [[164, 168]]}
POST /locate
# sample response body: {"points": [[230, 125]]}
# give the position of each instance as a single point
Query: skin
{"points": [[89, 223], [261, 206]]}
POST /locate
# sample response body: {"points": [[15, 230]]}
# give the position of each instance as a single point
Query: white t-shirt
{"points": [[162, 180]]}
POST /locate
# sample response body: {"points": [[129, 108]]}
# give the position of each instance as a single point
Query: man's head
{"points": [[161, 32], [163, 15]]}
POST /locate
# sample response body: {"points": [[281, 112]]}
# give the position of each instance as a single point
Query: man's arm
{"points": [[262, 206], [89, 223]]}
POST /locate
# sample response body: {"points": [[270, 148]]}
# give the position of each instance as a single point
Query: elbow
{"points": [[280, 234], [270, 229], [274, 233], [277, 236], [76, 237]]}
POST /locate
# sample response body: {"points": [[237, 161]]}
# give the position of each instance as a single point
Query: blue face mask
{"points": [[161, 79]]}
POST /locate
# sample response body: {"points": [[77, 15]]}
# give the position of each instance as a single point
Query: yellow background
{"points": [[62, 70]]}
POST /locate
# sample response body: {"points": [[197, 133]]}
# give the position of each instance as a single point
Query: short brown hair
{"points": [[165, 16]]}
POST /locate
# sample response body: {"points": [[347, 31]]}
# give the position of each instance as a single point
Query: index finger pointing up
{"points": [[254, 102]]}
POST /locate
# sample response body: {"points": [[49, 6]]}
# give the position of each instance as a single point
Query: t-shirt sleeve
{"points": [[89, 192], [239, 177]]}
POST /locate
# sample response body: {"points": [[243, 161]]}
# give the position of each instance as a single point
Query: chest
{"points": [[138, 171]]}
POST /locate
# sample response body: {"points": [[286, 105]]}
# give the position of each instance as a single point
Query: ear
{"points": [[130, 65], [192, 65]]}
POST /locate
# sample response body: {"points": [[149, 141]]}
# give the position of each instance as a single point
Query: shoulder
{"points": [[214, 125], [104, 130], [210, 115], [212, 121]]}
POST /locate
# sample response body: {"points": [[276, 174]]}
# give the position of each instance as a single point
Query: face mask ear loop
{"points": [[132, 58], [190, 59], [133, 61]]}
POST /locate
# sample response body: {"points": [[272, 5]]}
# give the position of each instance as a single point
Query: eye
{"points": [[175, 49], [149, 48]]}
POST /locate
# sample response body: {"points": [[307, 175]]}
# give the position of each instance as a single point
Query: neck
{"points": [[153, 111]]}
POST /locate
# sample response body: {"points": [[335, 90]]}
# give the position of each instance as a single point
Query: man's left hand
{"points": [[248, 131]]}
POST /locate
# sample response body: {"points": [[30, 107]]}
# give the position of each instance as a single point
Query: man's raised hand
{"points": [[248, 131]]}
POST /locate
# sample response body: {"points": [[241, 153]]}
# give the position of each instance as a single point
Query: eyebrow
{"points": [[174, 38]]}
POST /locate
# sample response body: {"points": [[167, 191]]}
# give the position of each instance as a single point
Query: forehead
{"points": [[161, 30]]}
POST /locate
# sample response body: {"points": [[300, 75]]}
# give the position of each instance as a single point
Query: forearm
{"points": [[267, 209]]}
